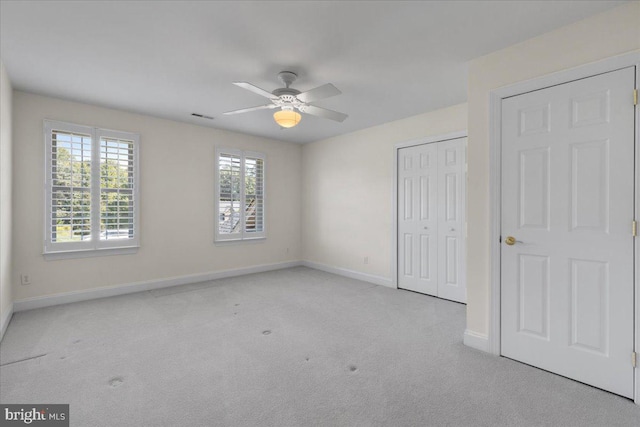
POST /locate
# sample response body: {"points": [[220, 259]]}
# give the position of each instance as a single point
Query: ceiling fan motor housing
{"points": [[287, 95], [286, 92]]}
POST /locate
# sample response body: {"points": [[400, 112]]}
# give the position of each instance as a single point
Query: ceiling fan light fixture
{"points": [[287, 118]]}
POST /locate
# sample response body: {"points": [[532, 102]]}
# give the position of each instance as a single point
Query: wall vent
{"points": [[202, 116]]}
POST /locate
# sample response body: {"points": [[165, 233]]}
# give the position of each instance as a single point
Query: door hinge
{"points": [[635, 97], [633, 359], [634, 228]]}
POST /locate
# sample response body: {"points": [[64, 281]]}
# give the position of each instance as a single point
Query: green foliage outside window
{"points": [[72, 197]]}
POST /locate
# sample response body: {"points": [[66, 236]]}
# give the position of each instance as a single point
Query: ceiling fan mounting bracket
{"points": [[287, 77]]}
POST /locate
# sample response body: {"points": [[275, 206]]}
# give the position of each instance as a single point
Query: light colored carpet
{"points": [[295, 347]]}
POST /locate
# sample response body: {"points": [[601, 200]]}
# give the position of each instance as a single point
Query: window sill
{"points": [[90, 253], [248, 240]]}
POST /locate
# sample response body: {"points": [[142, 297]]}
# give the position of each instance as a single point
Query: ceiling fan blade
{"points": [[321, 92], [246, 110], [323, 112], [255, 89]]}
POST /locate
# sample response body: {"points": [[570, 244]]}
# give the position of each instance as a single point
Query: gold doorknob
{"points": [[510, 240]]}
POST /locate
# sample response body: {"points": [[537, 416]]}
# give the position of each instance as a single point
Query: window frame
{"points": [[243, 235], [94, 246]]}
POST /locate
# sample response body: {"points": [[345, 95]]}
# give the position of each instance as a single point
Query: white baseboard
{"points": [[475, 340], [4, 321], [110, 291], [378, 280]]}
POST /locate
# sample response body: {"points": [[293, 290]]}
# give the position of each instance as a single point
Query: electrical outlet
{"points": [[287, 251], [25, 279], [366, 260]]}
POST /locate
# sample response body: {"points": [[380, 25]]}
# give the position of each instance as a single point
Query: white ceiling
{"points": [[390, 59]]}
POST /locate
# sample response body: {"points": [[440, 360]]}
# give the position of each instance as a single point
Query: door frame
{"points": [[495, 191], [394, 232]]}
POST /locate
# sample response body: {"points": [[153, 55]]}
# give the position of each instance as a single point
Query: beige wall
{"points": [[5, 196], [176, 196], [347, 191], [334, 195], [608, 34]]}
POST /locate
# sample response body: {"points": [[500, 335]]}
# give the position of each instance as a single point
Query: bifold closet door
{"points": [[451, 220], [418, 219], [431, 208]]}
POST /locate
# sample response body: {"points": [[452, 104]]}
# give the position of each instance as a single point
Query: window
{"points": [[91, 189], [239, 195]]}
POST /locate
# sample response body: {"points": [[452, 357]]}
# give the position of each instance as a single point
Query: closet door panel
{"points": [[451, 219], [417, 219]]}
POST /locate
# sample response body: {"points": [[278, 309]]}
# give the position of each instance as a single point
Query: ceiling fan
{"points": [[288, 100]]}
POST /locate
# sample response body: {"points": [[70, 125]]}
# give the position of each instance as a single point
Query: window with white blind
{"points": [[91, 189], [240, 195]]}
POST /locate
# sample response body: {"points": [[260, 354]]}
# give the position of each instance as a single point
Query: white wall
{"points": [[347, 191], [608, 34], [6, 299], [176, 196]]}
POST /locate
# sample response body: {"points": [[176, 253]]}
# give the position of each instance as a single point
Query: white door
{"points": [[418, 219], [567, 199], [431, 219], [451, 220]]}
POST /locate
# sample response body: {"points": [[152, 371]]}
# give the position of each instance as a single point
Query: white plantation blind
{"points": [[91, 188], [229, 212], [117, 199], [240, 195], [254, 194], [70, 177]]}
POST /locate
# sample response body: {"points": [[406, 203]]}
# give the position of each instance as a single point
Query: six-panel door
{"points": [[431, 209], [567, 200]]}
